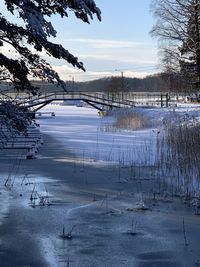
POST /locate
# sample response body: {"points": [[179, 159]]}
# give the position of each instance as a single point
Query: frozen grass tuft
{"points": [[130, 119]]}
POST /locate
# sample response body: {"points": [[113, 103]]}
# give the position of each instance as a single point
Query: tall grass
{"points": [[178, 154], [130, 119], [173, 159]]}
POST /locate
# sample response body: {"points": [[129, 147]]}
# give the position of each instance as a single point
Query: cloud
{"points": [[135, 59], [129, 58], [103, 43], [96, 56], [66, 70], [66, 73]]}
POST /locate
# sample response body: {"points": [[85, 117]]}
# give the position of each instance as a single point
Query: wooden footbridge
{"points": [[99, 100]]}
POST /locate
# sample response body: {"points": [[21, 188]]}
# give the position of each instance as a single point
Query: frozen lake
{"points": [[98, 201], [85, 133]]}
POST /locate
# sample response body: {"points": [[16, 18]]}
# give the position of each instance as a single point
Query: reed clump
{"points": [[178, 152], [128, 119]]}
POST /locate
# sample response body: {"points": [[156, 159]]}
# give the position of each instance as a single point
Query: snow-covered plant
{"points": [[33, 35], [12, 117]]}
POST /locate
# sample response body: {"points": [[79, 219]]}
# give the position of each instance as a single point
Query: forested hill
{"points": [[161, 82]]}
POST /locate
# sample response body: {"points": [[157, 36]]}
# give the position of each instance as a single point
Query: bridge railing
{"points": [[119, 98]]}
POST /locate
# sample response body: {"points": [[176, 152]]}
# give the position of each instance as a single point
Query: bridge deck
{"points": [[119, 99]]}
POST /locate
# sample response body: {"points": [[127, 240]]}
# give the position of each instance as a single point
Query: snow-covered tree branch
{"points": [[36, 30], [28, 37]]}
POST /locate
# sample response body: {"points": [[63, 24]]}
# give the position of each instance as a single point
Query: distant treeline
{"points": [[161, 82]]}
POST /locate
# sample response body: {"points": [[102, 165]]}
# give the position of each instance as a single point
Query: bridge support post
{"points": [[167, 100], [161, 101]]}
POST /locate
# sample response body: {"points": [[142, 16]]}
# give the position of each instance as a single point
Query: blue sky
{"points": [[121, 41]]}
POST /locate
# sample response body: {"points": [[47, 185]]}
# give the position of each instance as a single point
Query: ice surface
{"points": [[82, 131]]}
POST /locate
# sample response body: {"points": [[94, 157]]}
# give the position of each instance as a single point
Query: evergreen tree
{"points": [[35, 34], [30, 36]]}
